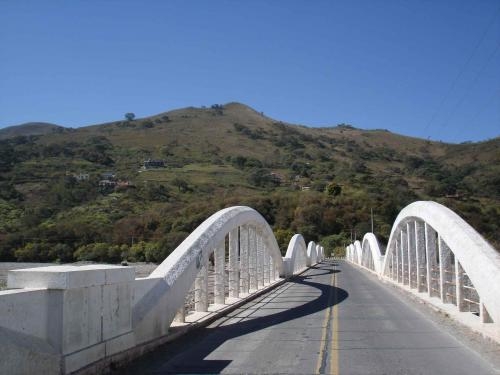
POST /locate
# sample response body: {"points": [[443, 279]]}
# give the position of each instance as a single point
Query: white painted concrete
{"points": [[60, 319], [432, 250]]}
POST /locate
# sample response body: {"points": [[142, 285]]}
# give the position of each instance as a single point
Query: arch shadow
{"points": [[182, 357]]}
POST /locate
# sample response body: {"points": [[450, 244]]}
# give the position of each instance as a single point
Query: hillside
{"points": [[30, 129], [55, 202]]}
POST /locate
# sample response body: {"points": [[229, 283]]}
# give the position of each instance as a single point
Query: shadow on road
{"points": [[187, 354]]}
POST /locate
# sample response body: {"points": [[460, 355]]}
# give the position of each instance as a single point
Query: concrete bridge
{"points": [[253, 311]]}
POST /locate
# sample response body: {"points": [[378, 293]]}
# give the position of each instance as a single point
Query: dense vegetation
{"points": [[318, 182]]}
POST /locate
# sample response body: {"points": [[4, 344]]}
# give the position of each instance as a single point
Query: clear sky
{"points": [[426, 68]]}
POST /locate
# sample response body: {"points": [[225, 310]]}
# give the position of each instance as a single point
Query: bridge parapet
{"points": [[61, 319], [436, 254]]}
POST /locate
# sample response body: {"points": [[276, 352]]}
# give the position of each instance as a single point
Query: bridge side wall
{"points": [[61, 319]]}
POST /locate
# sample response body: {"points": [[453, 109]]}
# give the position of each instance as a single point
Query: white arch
{"points": [[371, 250], [480, 261], [295, 259], [159, 296], [433, 250], [312, 254]]}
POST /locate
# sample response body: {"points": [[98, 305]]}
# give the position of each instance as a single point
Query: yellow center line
{"points": [[334, 350], [325, 325]]}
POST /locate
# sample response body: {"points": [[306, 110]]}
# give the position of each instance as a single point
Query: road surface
{"points": [[333, 319]]}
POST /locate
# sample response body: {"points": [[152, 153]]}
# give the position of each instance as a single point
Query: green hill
{"points": [[30, 129], [55, 202]]}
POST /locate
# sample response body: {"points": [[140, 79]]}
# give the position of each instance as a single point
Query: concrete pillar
{"points": [[266, 266], [234, 274], [272, 269], [421, 256], [252, 257], [244, 272], [180, 316], [219, 260], [260, 259], [446, 271], [484, 314], [459, 285], [404, 257], [391, 274], [397, 252], [442, 276], [412, 269], [201, 288], [431, 264]]}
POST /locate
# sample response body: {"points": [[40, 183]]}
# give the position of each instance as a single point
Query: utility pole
{"points": [[371, 215]]}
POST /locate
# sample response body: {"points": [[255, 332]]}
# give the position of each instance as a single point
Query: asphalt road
{"points": [[333, 319]]}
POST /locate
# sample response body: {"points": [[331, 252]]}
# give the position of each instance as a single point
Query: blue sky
{"points": [[426, 68]]}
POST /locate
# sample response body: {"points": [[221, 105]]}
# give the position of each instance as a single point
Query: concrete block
{"points": [[68, 277], [25, 311], [23, 354], [116, 310], [82, 358], [81, 318], [120, 344]]}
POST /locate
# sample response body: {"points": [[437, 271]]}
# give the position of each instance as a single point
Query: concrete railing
{"points": [[442, 259], [62, 319]]}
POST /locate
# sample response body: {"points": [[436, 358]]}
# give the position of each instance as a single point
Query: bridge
{"points": [[226, 301]]}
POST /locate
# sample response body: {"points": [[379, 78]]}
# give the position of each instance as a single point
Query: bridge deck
{"points": [[332, 319]]}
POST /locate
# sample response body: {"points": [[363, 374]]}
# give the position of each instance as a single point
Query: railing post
{"points": [[244, 258], [219, 260], [397, 251], [483, 313], [430, 249], [234, 277], [272, 270], [404, 257], [260, 259], [446, 272], [410, 230], [420, 249], [266, 266], [201, 288], [252, 258], [180, 317], [459, 285]]}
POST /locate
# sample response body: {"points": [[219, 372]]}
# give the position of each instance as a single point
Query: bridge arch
{"points": [[239, 235], [432, 250]]}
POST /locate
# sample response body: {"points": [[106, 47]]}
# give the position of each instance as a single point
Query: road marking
{"points": [[334, 354], [325, 335]]}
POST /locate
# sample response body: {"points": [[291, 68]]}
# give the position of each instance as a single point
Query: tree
{"points": [[333, 189], [130, 116]]}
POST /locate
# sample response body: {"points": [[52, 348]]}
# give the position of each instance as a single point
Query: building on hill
{"points": [[153, 163], [108, 176], [79, 176]]}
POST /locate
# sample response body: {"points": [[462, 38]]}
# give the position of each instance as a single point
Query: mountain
{"points": [[30, 128], [55, 202]]}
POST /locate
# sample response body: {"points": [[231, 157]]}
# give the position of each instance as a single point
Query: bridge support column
{"points": [[201, 288], [484, 314], [412, 269], [244, 258], [421, 256], [447, 274], [459, 285], [234, 275], [404, 258], [180, 317], [260, 259], [266, 266], [397, 251], [219, 286], [272, 270], [252, 258], [433, 279]]}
